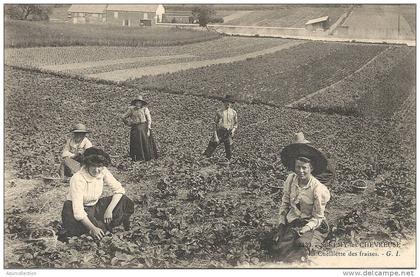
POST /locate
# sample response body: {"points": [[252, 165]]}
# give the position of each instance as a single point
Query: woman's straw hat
{"points": [[301, 148]]}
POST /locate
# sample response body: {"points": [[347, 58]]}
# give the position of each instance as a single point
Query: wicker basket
{"points": [[359, 185]]}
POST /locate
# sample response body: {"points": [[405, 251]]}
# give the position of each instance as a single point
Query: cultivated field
{"points": [[96, 60], [35, 34], [196, 212], [379, 88], [226, 210], [276, 79]]}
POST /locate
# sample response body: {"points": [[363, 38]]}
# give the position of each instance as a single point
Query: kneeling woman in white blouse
{"points": [[303, 225], [84, 211]]}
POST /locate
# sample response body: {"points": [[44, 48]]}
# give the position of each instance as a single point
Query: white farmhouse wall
{"points": [[159, 12]]}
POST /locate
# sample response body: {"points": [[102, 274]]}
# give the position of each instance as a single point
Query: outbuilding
{"points": [[178, 17], [81, 14], [318, 24], [134, 15]]}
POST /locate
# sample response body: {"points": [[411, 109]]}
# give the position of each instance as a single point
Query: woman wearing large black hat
{"points": [[85, 211], [142, 142], [301, 217]]}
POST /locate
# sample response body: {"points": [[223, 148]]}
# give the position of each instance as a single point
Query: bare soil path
{"points": [[84, 65]]}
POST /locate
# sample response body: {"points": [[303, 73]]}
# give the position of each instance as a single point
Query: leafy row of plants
{"points": [[213, 49], [190, 211], [379, 89], [275, 79]]}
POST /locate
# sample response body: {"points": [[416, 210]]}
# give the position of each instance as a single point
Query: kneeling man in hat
{"points": [[73, 151]]}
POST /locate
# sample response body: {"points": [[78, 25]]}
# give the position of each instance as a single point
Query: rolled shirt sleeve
{"points": [[66, 150], [321, 197], [235, 120], [127, 115], [218, 120], [110, 180], [285, 201], [87, 144], [77, 189]]}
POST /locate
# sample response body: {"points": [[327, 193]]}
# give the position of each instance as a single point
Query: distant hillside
{"points": [[382, 21], [282, 15]]}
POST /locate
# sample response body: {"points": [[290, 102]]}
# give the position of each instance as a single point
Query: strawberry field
{"points": [[378, 89], [191, 211], [90, 57], [275, 79]]}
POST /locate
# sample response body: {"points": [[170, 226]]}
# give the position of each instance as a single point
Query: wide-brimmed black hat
{"points": [[96, 156], [138, 98], [291, 152], [229, 99]]}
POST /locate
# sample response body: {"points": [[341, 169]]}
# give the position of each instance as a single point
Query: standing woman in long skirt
{"points": [[142, 143]]}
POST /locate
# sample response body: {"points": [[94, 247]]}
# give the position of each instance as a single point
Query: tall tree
{"points": [[27, 11], [203, 14]]}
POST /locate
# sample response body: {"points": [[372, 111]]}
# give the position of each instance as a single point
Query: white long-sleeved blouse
{"points": [[72, 147], [137, 116], [85, 189], [306, 202]]}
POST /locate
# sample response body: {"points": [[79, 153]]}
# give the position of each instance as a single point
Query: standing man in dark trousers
{"points": [[226, 123]]}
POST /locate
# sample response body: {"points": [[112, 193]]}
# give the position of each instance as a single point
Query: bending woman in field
{"points": [[73, 151], [142, 143], [85, 211], [303, 225]]}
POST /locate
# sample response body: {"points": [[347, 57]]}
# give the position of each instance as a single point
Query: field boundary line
{"points": [[399, 117], [93, 64], [309, 96], [340, 20], [60, 74]]}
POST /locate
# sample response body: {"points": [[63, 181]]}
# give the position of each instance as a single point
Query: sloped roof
{"points": [[317, 20], [87, 8], [133, 8]]}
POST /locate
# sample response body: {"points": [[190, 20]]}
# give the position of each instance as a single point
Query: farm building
{"points": [[178, 17], [317, 24], [134, 15], [87, 14]]}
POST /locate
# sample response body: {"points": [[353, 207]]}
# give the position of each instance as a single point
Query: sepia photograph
{"points": [[209, 136]]}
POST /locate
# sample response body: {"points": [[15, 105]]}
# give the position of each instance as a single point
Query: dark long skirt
{"points": [[142, 147], [290, 247], [120, 215]]}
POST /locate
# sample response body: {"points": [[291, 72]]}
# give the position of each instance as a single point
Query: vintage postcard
{"points": [[141, 136]]}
